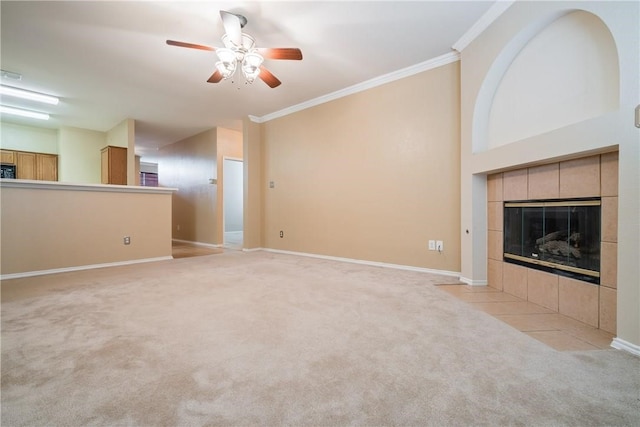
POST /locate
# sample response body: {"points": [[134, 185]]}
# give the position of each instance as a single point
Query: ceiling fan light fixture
{"points": [[227, 63], [251, 66], [225, 70], [239, 51]]}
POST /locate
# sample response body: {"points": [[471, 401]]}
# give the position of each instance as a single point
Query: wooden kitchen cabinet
{"points": [[114, 165], [26, 165], [7, 156], [46, 167], [34, 166]]}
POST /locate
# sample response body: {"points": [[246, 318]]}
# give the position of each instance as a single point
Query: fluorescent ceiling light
{"points": [[10, 75], [26, 94], [23, 113]]}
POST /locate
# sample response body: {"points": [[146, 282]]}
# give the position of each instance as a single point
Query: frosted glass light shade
{"points": [[251, 66], [227, 63]]}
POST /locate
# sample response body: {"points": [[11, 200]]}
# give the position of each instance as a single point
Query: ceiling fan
{"points": [[239, 51]]}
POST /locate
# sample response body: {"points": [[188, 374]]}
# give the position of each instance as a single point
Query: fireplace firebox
{"points": [[558, 236]]}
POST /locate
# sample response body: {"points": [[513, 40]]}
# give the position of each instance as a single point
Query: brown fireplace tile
{"points": [[579, 300], [608, 307], [609, 219], [609, 265], [542, 288], [580, 177], [495, 244], [495, 215], [494, 187], [494, 273], [514, 185], [609, 174], [544, 182], [514, 280]]}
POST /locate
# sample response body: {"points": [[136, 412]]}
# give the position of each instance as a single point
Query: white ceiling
{"points": [[108, 61]]}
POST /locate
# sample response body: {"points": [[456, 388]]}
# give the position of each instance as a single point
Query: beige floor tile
{"points": [[481, 289], [453, 289], [531, 322], [597, 337], [561, 341], [548, 326], [487, 297], [511, 307], [465, 289], [185, 250], [584, 332]]}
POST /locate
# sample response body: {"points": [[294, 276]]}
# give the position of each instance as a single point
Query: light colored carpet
{"points": [[270, 339]]}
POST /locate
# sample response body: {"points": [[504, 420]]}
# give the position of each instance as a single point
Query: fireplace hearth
{"points": [[558, 236]]}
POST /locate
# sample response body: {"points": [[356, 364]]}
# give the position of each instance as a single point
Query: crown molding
{"points": [[368, 84], [498, 8]]}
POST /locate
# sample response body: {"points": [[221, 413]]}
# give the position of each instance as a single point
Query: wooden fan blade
{"points": [[232, 27], [190, 45], [215, 77], [266, 76], [281, 53]]}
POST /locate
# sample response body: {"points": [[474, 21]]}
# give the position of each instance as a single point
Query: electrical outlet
{"points": [[432, 245], [127, 240], [281, 234], [439, 246]]}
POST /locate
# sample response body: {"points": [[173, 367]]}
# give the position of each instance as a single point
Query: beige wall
{"points": [[483, 63], [79, 155], [229, 145], [254, 185], [545, 89], [189, 165], [28, 138], [372, 176], [56, 226]]}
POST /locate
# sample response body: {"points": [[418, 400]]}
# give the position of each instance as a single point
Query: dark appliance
{"points": [[8, 171]]}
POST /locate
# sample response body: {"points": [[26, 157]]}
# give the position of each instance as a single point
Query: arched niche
{"points": [[558, 71]]}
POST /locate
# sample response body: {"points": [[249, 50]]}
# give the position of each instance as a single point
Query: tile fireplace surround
{"points": [[593, 176]]}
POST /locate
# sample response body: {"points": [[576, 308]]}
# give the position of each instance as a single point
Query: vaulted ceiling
{"points": [[108, 61]]}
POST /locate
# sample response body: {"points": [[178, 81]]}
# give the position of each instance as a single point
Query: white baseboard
{"points": [[364, 262], [472, 282], [620, 344], [80, 267], [252, 249], [208, 245]]}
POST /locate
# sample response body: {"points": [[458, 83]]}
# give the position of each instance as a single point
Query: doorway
{"points": [[232, 199]]}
